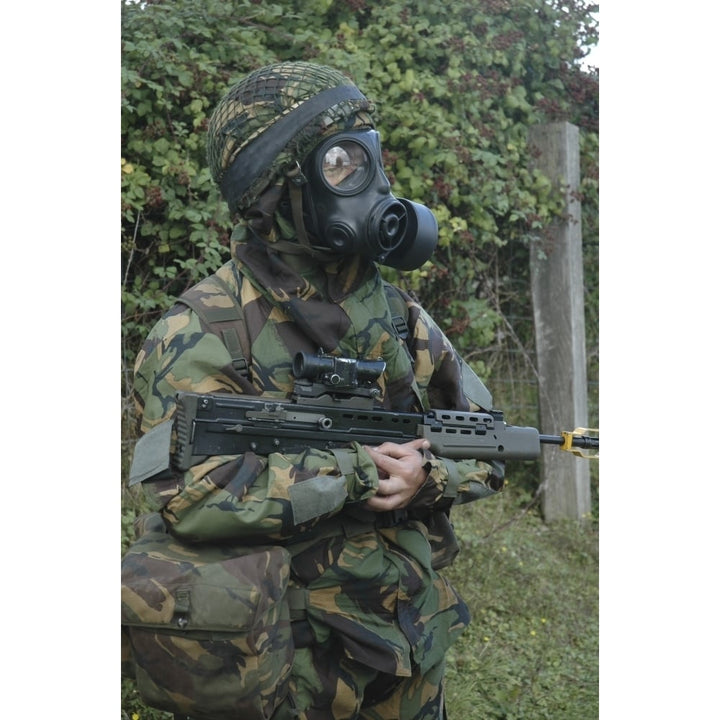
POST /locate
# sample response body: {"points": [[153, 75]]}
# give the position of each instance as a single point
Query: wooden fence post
{"points": [[556, 272]]}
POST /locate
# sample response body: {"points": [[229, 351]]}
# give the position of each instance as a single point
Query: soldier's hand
{"points": [[401, 472]]}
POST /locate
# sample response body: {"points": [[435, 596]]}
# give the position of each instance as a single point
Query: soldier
{"points": [[295, 154]]}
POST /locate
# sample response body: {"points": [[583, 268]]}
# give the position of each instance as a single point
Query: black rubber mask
{"points": [[351, 211]]}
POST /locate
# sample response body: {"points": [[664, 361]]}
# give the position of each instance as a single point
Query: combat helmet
{"points": [[269, 121]]}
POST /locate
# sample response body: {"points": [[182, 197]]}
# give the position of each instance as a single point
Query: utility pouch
{"points": [[206, 628]]}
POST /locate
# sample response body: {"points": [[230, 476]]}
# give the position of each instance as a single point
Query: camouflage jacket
{"points": [[371, 580]]}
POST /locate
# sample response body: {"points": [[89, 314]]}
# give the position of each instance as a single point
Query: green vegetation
{"points": [[456, 87], [532, 648], [456, 84]]}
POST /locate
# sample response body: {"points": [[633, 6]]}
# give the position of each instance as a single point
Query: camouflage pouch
{"points": [[206, 629]]}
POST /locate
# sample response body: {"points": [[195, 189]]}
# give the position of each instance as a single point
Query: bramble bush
{"points": [[456, 85]]}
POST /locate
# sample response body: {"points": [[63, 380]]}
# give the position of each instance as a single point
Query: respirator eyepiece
{"points": [[345, 167]]}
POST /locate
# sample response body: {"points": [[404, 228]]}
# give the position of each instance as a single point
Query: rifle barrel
{"points": [[578, 441]]}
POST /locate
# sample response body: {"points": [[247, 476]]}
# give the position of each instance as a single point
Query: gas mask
{"points": [[349, 209]]}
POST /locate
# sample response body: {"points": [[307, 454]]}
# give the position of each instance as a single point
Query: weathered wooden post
{"points": [[556, 272]]}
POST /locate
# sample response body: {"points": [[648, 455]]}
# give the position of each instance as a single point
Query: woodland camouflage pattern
{"points": [[372, 619], [375, 602], [234, 597]]}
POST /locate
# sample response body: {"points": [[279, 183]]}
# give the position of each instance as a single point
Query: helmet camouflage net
{"points": [[272, 119]]}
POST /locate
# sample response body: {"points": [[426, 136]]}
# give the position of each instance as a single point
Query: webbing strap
{"points": [[398, 311], [227, 323], [453, 482], [344, 461], [234, 346], [399, 315], [298, 601]]}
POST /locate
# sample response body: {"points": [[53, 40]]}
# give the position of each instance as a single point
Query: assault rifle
{"points": [[332, 405]]}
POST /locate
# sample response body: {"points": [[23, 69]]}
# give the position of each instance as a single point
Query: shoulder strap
{"points": [[398, 310], [219, 309]]}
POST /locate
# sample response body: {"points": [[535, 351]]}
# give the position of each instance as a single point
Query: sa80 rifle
{"points": [[333, 404]]}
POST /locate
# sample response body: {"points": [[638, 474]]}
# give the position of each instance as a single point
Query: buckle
{"points": [[391, 518]]}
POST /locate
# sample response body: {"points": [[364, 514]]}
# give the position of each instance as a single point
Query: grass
{"points": [[531, 651]]}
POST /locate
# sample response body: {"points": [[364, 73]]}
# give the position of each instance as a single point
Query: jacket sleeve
{"points": [[245, 497], [447, 382]]}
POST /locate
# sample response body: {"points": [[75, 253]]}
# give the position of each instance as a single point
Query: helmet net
{"points": [[257, 102]]}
